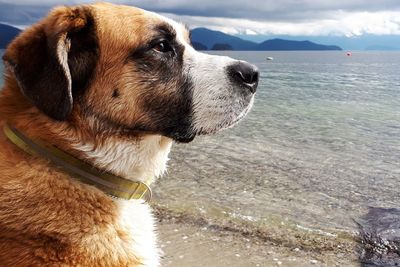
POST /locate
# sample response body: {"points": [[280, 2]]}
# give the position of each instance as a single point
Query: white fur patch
{"points": [[217, 104], [141, 160], [63, 46], [136, 218]]}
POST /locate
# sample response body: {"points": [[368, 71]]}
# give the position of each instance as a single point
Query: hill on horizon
{"points": [[361, 42], [288, 45], [208, 38]]}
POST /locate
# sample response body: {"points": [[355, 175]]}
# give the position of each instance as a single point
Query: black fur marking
{"points": [[162, 74], [115, 93], [84, 55], [167, 31]]}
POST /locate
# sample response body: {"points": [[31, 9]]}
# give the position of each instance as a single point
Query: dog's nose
{"points": [[245, 74]]}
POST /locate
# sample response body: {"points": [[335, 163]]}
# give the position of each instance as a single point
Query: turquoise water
{"points": [[320, 146]]}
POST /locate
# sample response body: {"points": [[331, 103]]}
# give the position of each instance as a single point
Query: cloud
{"points": [[341, 24], [272, 10], [283, 17]]}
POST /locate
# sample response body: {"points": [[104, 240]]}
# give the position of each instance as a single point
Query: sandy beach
{"points": [[194, 243]]}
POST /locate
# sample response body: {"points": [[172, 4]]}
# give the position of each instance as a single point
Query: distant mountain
{"points": [[7, 33], [362, 42], [210, 38], [287, 45]]}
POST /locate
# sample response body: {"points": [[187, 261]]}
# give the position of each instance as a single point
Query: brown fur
{"points": [[47, 218]]}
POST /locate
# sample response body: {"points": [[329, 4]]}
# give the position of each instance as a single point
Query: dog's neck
{"points": [[139, 160]]}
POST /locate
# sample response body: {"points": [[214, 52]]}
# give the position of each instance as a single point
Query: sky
{"points": [[270, 17]]}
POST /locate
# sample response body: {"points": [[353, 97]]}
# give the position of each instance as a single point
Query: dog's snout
{"points": [[244, 74]]}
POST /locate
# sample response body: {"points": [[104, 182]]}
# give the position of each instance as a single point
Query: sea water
{"points": [[320, 147]]}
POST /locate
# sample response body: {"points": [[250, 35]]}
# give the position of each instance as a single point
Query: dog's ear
{"points": [[53, 57]]}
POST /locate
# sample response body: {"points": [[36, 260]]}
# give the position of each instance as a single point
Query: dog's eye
{"points": [[162, 46]]}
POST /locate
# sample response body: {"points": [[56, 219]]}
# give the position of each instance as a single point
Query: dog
{"points": [[94, 97]]}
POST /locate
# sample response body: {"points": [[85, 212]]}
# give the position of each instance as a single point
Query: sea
{"points": [[315, 163]]}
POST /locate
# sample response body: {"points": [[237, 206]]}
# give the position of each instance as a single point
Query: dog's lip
{"points": [[242, 114], [185, 139], [181, 138], [226, 125]]}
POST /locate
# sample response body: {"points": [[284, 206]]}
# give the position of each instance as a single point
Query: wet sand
{"points": [[188, 245], [195, 243]]}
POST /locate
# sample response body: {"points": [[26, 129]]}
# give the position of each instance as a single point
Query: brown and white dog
{"points": [[113, 86]]}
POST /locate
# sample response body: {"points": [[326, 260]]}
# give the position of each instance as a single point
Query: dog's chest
{"points": [[136, 219]]}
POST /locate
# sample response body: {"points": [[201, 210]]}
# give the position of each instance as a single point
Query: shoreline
{"points": [[190, 245], [190, 241]]}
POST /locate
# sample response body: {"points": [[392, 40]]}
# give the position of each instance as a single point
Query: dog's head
{"points": [[131, 70]]}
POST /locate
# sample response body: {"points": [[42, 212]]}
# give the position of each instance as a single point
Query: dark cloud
{"points": [[268, 10]]}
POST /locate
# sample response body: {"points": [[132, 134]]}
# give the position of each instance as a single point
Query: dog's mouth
{"points": [[229, 121], [188, 135], [240, 116], [185, 130], [185, 140]]}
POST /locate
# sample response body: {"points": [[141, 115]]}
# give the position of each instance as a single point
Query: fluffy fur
{"points": [[113, 86]]}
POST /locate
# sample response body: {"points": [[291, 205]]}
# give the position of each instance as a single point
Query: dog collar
{"points": [[113, 185]]}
